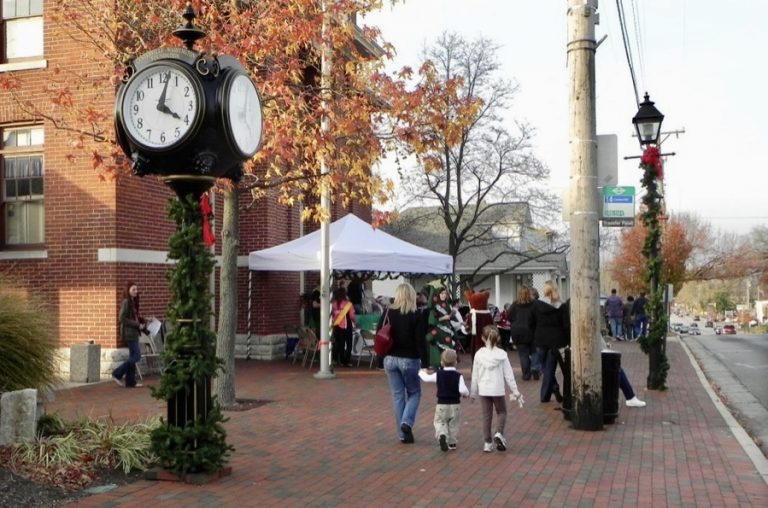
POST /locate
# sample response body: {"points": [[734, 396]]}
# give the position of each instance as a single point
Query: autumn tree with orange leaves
{"points": [[278, 42], [628, 266]]}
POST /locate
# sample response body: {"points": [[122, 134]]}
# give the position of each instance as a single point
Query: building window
{"points": [[21, 29], [22, 174]]}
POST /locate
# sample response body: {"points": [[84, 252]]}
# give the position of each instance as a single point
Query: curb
{"points": [[754, 453]]}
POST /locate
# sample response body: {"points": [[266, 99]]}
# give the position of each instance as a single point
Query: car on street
{"points": [[718, 330], [694, 330], [709, 324], [729, 330], [696, 318], [683, 330]]}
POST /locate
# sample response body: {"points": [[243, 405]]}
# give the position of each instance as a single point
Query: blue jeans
{"points": [[128, 367], [625, 386], [616, 327], [405, 385], [641, 325]]}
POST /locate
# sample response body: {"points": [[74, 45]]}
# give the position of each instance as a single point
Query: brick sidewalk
{"points": [[333, 443]]}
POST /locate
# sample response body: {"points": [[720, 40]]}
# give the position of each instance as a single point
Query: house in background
{"points": [[506, 250]]}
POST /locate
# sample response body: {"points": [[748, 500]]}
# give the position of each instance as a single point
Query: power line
{"points": [[627, 48]]}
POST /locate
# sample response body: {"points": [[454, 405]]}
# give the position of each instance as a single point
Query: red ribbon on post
{"points": [[209, 239], [652, 157]]}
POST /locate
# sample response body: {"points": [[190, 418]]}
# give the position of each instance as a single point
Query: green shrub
{"points": [[70, 457], [27, 345]]}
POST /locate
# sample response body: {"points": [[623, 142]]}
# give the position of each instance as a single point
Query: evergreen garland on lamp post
{"points": [[654, 344], [197, 445]]}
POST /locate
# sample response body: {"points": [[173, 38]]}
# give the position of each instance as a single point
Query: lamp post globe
{"points": [[648, 122]]}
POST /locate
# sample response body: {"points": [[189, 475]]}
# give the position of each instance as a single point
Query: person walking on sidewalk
{"points": [[614, 308], [641, 318], [131, 325], [550, 334], [491, 370], [407, 356], [450, 389], [520, 313], [628, 322]]}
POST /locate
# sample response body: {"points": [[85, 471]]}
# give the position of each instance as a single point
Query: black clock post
{"points": [[189, 117]]}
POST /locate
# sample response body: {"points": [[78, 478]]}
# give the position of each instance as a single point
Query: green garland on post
{"points": [[197, 445], [654, 344]]}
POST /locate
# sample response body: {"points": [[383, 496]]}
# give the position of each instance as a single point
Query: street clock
{"points": [[188, 115]]}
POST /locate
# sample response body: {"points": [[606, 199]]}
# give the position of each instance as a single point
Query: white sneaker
{"points": [[501, 443], [488, 447], [635, 402]]}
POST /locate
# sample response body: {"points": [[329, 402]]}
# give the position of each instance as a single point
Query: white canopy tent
{"points": [[355, 246]]}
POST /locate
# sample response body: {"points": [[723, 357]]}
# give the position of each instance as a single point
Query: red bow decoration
{"points": [[652, 157], [205, 208]]}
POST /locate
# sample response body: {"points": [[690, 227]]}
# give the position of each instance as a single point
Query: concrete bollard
{"points": [[85, 363]]}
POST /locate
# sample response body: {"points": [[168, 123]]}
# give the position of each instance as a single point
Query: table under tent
{"points": [[355, 249]]}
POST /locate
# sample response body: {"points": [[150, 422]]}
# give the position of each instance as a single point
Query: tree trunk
{"points": [[224, 383]]}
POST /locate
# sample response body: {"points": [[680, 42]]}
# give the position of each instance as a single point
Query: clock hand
{"points": [[167, 110], [161, 102]]}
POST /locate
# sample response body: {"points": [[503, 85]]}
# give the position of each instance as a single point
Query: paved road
{"points": [[736, 365], [746, 356]]}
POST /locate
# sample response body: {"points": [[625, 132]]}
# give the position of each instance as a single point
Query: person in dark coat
{"points": [[521, 334], [407, 356], [549, 335], [131, 326]]}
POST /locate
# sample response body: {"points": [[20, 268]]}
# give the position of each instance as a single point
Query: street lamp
{"points": [[648, 123]]}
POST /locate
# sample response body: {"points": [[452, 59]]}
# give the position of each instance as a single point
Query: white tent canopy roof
{"points": [[354, 246]]}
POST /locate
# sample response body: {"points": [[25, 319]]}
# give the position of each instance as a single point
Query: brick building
{"points": [[76, 239]]}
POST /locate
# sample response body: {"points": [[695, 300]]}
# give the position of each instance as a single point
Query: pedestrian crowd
{"points": [[425, 331]]}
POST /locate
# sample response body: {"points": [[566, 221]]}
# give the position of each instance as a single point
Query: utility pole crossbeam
{"points": [[586, 367]]}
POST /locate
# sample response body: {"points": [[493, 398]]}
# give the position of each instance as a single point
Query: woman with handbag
{"points": [[406, 357]]}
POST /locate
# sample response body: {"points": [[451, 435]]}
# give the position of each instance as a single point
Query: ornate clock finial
{"points": [[188, 32]]}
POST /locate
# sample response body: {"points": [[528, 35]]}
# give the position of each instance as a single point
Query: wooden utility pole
{"points": [[586, 367]]}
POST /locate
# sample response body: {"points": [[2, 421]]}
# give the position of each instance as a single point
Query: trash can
{"points": [[611, 364], [611, 361]]}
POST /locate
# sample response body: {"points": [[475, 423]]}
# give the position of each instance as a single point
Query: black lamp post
{"points": [[648, 121], [189, 117]]}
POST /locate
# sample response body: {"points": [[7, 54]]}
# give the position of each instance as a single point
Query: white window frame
{"points": [[29, 142], [22, 33]]}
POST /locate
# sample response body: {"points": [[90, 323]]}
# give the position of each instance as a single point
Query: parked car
{"points": [[683, 329], [718, 330], [676, 327], [709, 324], [729, 329], [696, 318], [694, 325], [694, 330]]}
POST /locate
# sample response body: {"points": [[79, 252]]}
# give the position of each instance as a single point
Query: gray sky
{"points": [[702, 61]]}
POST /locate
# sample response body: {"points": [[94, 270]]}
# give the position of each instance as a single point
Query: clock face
{"points": [[242, 113], [161, 106]]}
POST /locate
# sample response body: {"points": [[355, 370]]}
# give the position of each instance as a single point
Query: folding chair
{"points": [[367, 337], [149, 351], [307, 341]]}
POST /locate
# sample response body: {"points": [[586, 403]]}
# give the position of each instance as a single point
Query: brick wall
{"points": [[85, 213]]}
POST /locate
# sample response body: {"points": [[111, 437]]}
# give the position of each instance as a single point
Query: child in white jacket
{"points": [[490, 371]]}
